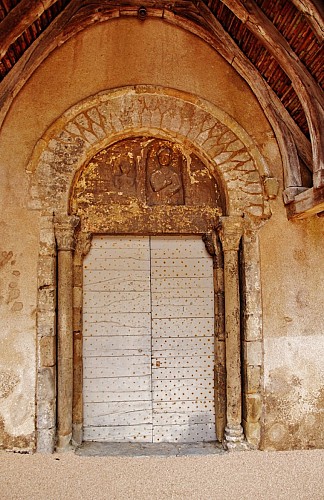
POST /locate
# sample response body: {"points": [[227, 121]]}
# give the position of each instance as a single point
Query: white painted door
{"points": [[148, 340]]}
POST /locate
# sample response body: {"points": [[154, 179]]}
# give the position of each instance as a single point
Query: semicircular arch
{"points": [[109, 116]]}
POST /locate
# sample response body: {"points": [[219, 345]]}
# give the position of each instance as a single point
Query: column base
{"points": [[45, 441], [64, 443], [77, 434], [234, 439]]}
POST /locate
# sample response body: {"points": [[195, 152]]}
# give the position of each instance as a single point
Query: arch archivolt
{"points": [[110, 116], [60, 158]]}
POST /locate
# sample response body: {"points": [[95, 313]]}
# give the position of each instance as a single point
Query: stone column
{"points": [[220, 351], [231, 229], [213, 247], [83, 245], [64, 234]]}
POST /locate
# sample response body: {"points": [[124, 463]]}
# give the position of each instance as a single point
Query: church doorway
{"points": [[148, 162], [148, 340]]}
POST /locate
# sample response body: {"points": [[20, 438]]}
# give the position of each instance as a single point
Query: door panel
{"points": [[148, 340], [117, 340], [182, 367]]}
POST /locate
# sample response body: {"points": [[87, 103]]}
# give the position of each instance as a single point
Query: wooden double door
{"points": [[148, 348]]}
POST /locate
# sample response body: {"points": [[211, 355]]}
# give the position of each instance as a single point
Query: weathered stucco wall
{"points": [[292, 286], [127, 52], [18, 269]]}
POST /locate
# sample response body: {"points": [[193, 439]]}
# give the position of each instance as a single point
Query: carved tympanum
{"points": [[135, 178]]}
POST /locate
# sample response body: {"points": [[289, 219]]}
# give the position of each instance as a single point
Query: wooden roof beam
{"points": [[19, 19], [310, 202], [314, 13], [292, 142], [309, 93]]}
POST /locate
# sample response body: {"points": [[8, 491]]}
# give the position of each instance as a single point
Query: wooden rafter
{"points": [[314, 15], [19, 19], [310, 95], [287, 132], [305, 204]]}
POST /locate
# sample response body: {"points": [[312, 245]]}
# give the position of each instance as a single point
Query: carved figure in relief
{"points": [[165, 181], [124, 181]]}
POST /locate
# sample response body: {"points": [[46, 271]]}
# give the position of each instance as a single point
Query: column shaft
{"points": [[232, 334], [64, 233], [230, 233]]}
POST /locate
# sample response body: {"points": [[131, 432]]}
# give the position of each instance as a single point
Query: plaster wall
{"points": [[128, 52], [292, 272]]}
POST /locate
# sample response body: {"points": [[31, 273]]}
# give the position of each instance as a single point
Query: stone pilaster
{"points": [[252, 340], [46, 338], [64, 233], [230, 232]]}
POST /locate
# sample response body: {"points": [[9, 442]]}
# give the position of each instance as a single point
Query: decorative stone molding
{"points": [[64, 232], [252, 334], [83, 245], [173, 115], [213, 247], [230, 232]]}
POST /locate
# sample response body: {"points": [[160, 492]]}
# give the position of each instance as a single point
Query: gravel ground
{"points": [[250, 475]]}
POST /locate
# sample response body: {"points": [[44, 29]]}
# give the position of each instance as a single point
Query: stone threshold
{"points": [[98, 449]]}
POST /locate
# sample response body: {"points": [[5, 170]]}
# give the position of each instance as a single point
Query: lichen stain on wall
{"points": [[9, 283], [8, 381], [15, 443], [16, 426]]}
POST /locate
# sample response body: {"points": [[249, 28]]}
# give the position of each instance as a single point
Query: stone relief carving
{"points": [[124, 179], [64, 227], [83, 244], [164, 170], [152, 172], [56, 168]]}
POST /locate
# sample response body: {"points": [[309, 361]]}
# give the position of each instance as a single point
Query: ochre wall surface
{"points": [[292, 270], [127, 52]]}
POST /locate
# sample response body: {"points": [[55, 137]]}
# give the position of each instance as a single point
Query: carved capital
{"points": [[64, 227], [208, 239], [230, 232], [83, 243]]}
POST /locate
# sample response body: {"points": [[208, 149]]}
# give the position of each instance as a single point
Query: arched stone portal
{"points": [[204, 142]]}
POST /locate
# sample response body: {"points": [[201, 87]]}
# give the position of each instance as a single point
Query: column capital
{"points": [[208, 239], [83, 243], [64, 227], [230, 232]]}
